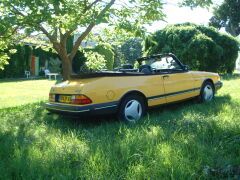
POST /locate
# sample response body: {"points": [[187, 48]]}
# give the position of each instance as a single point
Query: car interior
{"points": [[154, 65]]}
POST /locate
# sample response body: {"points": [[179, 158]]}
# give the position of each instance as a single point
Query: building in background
{"points": [[238, 63]]}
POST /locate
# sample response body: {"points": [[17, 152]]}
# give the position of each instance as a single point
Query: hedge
{"points": [[200, 47], [107, 51], [18, 62]]}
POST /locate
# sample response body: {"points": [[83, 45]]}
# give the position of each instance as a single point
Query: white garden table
{"points": [[52, 74]]}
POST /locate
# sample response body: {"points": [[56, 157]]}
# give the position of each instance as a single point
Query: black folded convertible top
{"points": [[107, 74]]}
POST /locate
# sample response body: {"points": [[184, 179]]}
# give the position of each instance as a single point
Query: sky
{"points": [[176, 14]]}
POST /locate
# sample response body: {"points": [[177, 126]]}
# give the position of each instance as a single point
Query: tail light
{"points": [[81, 99], [51, 97]]}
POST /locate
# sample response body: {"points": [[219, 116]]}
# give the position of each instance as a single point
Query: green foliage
{"points": [[227, 15], [54, 66], [7, 36], [78, 61], [119, 57], [182, 141], [67, 15], [70, 44], [197, 3], [5, 52], [202, 48], [132, 49], [3, 59], [58, 20], [106, 50], [95, 61], [47, 55], [17, 63]]}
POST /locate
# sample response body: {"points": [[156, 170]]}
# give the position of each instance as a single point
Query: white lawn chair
{"points": [[27, 73], [49, 74], [46, 72]]}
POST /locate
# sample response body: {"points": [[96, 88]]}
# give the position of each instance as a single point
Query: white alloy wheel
{"points": [[133, 110], [208, 93]]}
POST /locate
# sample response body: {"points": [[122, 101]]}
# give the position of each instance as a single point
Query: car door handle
{"points": [[165, 76]]}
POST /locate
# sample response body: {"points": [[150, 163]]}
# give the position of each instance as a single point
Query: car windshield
{"points": [[164, 63]]}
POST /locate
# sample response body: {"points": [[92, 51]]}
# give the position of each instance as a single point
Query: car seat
{"points": [[146, 69], [127, 66]]}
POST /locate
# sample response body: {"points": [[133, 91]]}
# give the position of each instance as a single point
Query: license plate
{"points": [[65, 99]]}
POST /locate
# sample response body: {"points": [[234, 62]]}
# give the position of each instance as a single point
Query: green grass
{"points": [[180, 141], [19, 92]]}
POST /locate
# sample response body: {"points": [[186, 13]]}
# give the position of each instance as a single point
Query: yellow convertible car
{"points": [[129, 92]]}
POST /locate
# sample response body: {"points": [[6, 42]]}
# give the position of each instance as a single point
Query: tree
{"points": [[7, 32], [200, 47], [59, 19], [227, 15], [132, 49], [197, 3]]}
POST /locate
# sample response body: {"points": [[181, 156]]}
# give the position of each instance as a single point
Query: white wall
{"points": [[238, 63]]}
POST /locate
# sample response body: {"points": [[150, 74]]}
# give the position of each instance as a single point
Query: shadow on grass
{"points": [[185, 137], [174, 111], [230, 76]]}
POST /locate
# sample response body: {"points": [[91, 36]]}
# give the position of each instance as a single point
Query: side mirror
{"points": [[186, 68]]}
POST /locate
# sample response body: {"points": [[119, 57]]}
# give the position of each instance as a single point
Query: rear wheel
{"points": [[132, 109], [207, 92]]}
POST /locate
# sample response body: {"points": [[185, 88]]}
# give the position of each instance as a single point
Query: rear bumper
{"points": [[96, 109], [218, 85]]}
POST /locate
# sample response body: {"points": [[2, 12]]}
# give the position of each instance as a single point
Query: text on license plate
{"points": [[65, 99]]}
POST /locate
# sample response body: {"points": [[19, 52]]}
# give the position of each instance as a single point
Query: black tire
{"points": [[128, 101], [202, 98]]}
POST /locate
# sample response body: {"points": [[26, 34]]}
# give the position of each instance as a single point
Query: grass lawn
{"points": [[19, 92], [180, 141]]}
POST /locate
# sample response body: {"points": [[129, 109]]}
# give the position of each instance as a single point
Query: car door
{"points": [[179, 86], [177, 81]]}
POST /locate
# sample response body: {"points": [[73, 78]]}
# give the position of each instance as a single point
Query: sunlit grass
{"points": [[179, 141], [14, 93]]}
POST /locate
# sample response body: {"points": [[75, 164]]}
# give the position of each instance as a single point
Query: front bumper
{"points": [[95, 109], [218, 85]]}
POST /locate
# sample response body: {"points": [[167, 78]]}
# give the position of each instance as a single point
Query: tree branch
{"points": [[50, 37], [10, 34], [89, 28], [80, 39], [91, 5]]}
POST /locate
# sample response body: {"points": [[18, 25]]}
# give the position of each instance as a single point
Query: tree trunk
{"points": [[66, 68]]}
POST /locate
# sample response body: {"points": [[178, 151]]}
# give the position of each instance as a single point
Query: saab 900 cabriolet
{"points": [[129, 92]]}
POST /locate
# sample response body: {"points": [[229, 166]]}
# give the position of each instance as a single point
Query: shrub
{"points": [[78, 61], [132, 49], [95, 61], [17, 63], [107, 52], [202, 48]]}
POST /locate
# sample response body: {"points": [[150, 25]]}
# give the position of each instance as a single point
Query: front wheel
{"points": [[132, 109], [207, 92]]}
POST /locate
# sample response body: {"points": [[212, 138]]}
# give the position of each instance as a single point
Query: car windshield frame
{"points": [[149, 58]]}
